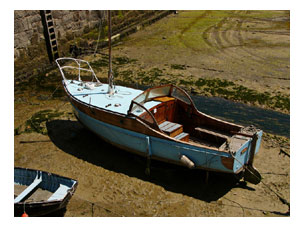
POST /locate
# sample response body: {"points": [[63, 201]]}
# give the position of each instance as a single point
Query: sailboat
{"points": [[159, 123]]}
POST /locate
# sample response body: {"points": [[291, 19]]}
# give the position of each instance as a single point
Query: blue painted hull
{"points": [[163, 149]]}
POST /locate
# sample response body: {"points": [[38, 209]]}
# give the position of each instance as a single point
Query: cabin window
{"points": [[142, 113], [141, 98], [179, 94], [136, 109], [153, 93], [158, 92]]}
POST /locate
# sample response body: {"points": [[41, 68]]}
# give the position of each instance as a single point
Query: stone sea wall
{"points": [[72, 27], [28, 29]]}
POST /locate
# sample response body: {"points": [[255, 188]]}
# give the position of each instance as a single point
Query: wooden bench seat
{"points": [[183, 137], [172, 129], [212, 132], [60, 193]]}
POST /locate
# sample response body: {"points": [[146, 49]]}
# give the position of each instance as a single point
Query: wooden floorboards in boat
{"points": [[200, 142]]}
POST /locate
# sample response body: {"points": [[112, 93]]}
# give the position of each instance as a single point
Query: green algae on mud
{"points": [[37, 123], [230, 90], [47, 83], [247, 48], [208, 87], [178, 66], [203, 86], [103, 61]]}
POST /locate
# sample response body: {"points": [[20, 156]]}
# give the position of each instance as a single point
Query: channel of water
{"points": [[268, 120]]}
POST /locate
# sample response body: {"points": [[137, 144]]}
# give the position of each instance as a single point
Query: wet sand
{"points": [[112, 182]]}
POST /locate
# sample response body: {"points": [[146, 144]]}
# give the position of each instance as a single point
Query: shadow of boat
{"points": [[74, 139]]}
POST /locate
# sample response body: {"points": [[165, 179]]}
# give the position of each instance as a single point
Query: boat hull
{"points": [[50, 182], [161, 148], [41, 208]]}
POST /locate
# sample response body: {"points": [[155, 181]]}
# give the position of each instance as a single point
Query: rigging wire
{"points": [[99, 29]]}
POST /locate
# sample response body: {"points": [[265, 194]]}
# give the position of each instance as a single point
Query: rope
{"points": [[284, 201], [99, 205], [55, 90], [98, 37], [180, 201], [248, 208], [237, 204]]}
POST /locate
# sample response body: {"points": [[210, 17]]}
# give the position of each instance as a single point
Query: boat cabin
{"points": [[171, 110]]}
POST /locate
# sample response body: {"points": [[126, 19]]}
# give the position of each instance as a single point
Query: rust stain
{"points": [[227, 162]]}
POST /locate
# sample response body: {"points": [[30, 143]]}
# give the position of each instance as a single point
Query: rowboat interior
{"points": [[37, 186]]}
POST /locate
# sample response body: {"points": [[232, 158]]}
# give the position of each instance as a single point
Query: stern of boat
{"points": [[244, 157]]}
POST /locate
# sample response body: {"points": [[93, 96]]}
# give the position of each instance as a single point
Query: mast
{"points": [[110, 73]]}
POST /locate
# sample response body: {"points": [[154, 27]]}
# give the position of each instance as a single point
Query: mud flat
{"points": [[203, 51], [112, 182]]}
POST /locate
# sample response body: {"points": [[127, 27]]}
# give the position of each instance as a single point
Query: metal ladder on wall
{"points": [[49, 33]]}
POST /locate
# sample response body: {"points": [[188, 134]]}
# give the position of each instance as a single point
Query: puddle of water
{"points": [[268, 120]]}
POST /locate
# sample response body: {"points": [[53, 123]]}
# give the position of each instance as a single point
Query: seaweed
{"points": [[149, 77], [230, 90], [122, 60], [117, 61], [178, 67], [185, 82], [126, 76], [37, 122], [101, 62], [155, 72]]}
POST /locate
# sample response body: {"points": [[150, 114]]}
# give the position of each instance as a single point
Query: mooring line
{"points": [[284, 201], [253, 209], [237, 204], [278, 174], [99, 205], [55, 90]]}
